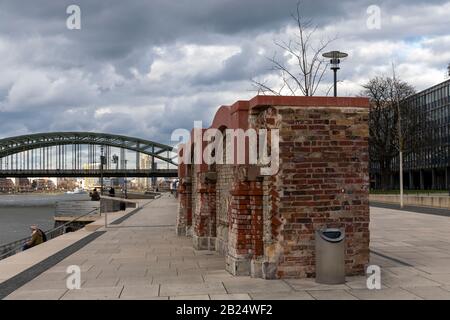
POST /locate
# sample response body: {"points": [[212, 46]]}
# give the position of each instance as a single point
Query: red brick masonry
{"points": [[265, 225]]}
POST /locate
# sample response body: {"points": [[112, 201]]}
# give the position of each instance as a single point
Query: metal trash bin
{"points": [[330, 256]]}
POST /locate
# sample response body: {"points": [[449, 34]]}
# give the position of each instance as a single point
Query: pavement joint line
{"points": [[9, 286], [408, 289], [349, 291], [63, 294], [121, 291], [289, 285], [125, 217], [223, 285], [131, 213], [391, 258], [416, 209]]}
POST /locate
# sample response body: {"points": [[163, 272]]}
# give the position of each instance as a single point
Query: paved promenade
{"points": [[142, 258]]}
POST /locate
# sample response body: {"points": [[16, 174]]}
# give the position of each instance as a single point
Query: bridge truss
{"points": [[78, 154]]}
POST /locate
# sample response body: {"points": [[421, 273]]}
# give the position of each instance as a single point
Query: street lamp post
{"points": [[335, 59], [400, 136], [125, 181], [102, 163], [115, 160]]}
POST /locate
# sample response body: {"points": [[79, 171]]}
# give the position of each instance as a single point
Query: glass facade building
{"points": [[427, 165]]}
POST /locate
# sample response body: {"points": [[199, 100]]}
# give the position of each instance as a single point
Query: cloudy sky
{"points": [[144, 68]]}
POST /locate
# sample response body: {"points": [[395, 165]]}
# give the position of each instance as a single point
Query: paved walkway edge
{"points": [[14, 283], [425, 210]]}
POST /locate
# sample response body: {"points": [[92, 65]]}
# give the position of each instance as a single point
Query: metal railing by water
{"points": [[14, 247]]}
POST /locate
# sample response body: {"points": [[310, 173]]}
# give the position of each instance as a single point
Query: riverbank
{"points": [[37, 199], [19, 211]]}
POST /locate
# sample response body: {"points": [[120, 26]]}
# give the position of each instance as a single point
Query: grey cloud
{"points": [[108, 62]]}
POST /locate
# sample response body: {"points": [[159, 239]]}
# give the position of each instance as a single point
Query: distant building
{"points": [[427, 166], [22, 185], [145, 163], [43, 185], [90, 183], [67, 184], [6, 185]]}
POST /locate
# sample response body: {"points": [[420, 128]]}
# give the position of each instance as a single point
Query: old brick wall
{"points": [[204, 215], [323, 181], [245, 243], [184, 216], [223, 200], [194, 195], [265, 225]]}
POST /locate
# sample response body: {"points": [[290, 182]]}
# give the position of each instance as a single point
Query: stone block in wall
{"points": [[238, 266]]}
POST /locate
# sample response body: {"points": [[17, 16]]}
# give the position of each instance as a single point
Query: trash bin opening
{"points": [[332, 234]]}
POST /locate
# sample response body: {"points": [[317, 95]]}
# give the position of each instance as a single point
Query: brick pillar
{"points": [[184, 218], [204, 220], [322, 182], [245, 235]]}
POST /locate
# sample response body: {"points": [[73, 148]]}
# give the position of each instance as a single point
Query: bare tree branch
{"points": [[311, 67]]}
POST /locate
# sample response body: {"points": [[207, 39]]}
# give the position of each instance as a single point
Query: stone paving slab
{"points": [[46, 294], [134, 260], [178, 279], [432, 293], [197, 288], [288, 295], [190, 297], [333, 294], [233, 296], [250, 285], [385, 294], [96, 293], [142, 291]]}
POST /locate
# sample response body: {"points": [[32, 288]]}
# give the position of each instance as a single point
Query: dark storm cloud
{"points": [[146, 67], [120, 30]]}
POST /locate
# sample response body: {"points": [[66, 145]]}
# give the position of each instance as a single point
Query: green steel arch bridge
{"points": [[84, 154]]}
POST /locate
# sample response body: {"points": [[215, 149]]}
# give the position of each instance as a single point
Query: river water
{"points": [[18, 212]]}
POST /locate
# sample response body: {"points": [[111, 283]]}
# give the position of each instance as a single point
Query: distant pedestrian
{"points": [[95, 196], [37, 237], [176, 188], [112, 192], [172, 187]]}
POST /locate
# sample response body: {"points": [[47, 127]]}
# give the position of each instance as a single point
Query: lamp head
{"points": [[335, 58]]}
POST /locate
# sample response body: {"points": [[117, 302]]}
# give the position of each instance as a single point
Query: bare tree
{"points": [[394, 125], [310, 66]]}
